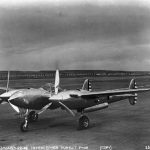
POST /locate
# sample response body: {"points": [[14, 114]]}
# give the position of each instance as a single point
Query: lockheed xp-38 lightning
{"points": [[36, 101]]}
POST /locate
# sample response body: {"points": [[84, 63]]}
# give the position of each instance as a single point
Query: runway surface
{"points": [[121, 126]]}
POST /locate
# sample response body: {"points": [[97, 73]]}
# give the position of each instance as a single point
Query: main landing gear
{"points": [[29, 117], [83, 122]]}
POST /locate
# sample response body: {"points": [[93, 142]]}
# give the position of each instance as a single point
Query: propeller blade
{"points": [[45, 108], [67, 109], [14, 107], [57, 80]]}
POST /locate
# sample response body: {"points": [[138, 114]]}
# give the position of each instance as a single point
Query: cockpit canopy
{"points": [[48, 87]]}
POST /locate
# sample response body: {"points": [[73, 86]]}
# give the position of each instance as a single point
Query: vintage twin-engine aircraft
{"points": [[82, 100]]}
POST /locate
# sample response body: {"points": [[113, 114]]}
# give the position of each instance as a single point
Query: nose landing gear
{"points": [[24, 125], [29, 117]]}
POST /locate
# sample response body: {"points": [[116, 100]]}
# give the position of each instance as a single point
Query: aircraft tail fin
{"points": [[132, 84], [57, 81], [87, 85], [133, 99]]}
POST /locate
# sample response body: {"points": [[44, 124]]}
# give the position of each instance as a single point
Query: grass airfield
{"points": [[121, 126]]}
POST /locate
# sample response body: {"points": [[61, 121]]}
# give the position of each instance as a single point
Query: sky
{"points": [[75, 34]]}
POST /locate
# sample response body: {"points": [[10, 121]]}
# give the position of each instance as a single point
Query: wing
{"points": [[111, 92]]}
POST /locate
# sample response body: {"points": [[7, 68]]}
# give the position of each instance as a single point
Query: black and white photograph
{"points": [[74, 75]]}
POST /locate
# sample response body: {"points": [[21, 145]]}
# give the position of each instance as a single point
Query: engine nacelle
{"points": [[96, 107]]}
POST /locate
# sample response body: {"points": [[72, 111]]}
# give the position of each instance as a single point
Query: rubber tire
{"points": [[33, 117], [23, 128], [84, 122]]}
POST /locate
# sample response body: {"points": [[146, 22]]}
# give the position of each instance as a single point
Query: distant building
{"points": [[68, 74]]}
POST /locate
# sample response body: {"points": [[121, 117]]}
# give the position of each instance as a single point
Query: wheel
{"points": [[24, 126], [83, 122], [32, 117]]}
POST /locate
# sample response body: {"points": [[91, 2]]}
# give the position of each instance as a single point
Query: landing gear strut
{"points": [[29, 117], [24, 125], [84, 122]]}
